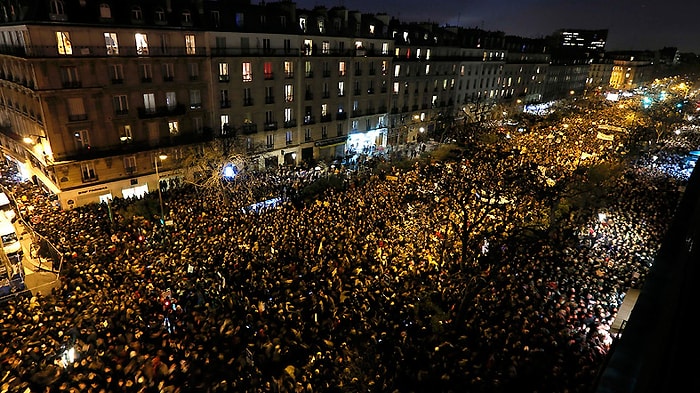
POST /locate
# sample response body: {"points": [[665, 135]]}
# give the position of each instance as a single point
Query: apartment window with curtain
{"points": [[195, 99], [76, 109], [288, 69], [223, 72], [87, 170], [111, 44], [247, 72], [267, 70], [121, 105], [190, 46]]}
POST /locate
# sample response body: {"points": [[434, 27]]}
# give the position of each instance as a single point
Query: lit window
{"points": [[427, 69], [341, 89], [125, 135], [170, 100], [247, 72], [111, 43], [288, 117], [224, 123], [371, 29], [302, 24], [427, 54], [288, 69], [324, 109], [63, 42], [308, 47], [341, 68], [396, 88], [190, 47], [325, 47], [418, 53], [186, 17], [288, 93], [397, 70], [149, 102], [173, 127], [385, 48], [321, 26], [223, 72], [141, 43]]}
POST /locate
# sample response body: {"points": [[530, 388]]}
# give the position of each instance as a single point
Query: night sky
{"points": [[631, 24]]}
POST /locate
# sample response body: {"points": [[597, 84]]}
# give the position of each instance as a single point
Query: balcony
{"points": [[81, 117], [370, 91], [356, 92], [161, 111], [269, 100], [249, 128], [247, 101], [72, 84], [326, 94], [341, 116], [358, 72], [290, 123], [168, 79], [270, 126], [326, 118], [224, 78], [309, 119], [309, 74], [288, 75], [326, 73], [356, 113], [121, 112], [269, 76], [225, 104]]}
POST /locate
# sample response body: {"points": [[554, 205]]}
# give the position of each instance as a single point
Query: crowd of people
{"points": [[406, 280]]}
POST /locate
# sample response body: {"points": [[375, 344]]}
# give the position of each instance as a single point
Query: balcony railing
{"points": [[49, 51], [149, 113], [72, 84], [269, 76], [249, 128], [290, 123], [309, 119], [225, 104], [269, 100], [341, 116], [80, 117], [247, 101], [326, 118], [271, 126]]}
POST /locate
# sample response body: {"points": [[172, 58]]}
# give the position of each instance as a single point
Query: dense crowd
{"points": [[363, 289]]}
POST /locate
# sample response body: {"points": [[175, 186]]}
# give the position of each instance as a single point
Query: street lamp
{"points": [[156, 159]]}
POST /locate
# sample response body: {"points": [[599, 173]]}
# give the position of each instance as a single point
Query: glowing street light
{"points": [[156, 159]]}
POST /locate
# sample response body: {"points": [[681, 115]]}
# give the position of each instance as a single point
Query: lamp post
{"points": [[156, 159]]}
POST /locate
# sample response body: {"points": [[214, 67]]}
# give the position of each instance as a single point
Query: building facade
{"points": [[92, 94]]}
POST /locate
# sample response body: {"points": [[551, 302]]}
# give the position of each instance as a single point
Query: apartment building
{"points": [[93, 94], [89, 101]]}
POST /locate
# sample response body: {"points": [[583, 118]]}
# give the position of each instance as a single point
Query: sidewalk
{"points": [[38, 276]]}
